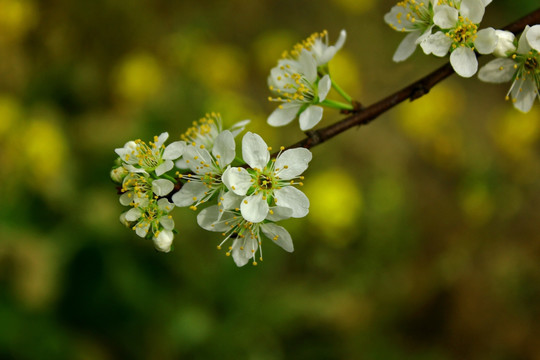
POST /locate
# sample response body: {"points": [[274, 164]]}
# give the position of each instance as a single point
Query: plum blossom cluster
{"points": [[301, 81], [241, 197], [451, 27]]}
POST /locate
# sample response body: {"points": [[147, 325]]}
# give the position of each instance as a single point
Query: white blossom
{"points": [[459, 34], [268, 182], [523, 67], [207, 169], [154, 156], [153, 218], [245, 235], [317, 46], [505, 43], [138, 188], [299, 90], [414, 17]]}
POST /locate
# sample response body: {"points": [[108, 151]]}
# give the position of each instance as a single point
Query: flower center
{"points": [[464, 33], [265, 182], [531, 64], [204, 131]]}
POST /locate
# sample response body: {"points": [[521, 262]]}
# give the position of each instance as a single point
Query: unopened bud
{"points": [[505, 45], [118, 174]]}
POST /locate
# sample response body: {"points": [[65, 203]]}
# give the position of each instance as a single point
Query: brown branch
{"points": [[412, 92]]}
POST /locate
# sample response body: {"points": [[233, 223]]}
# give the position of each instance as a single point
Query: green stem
{"points": [[337, 105], [341, 91], [169, 177]]}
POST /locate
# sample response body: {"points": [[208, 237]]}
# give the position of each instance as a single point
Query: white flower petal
{"points": [[406, 47], [523, 43], [486, 41], [254, 208], [294, 199], [126, 198], [208, 219], [278, 213], [238, 127], [497, 71], [524, 94], [161, 139], [162, 187], [445, 16], [164, 167], [164, 240], [133, 214], [437, 44], [292, 163], [308, 66], [167, 223], [473, 10], [464, 62], [341, 40], [174, 150], [237, 180], [279, 236], [255, 151], [310, 117], [243, 250], [533, 37], [224, 148], [189, 194], [505, 43], [165, 205], [283, 116], [325, 84], [141, 229], [230, 200]]}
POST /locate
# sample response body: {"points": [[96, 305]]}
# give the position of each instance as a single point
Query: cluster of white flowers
{"points": [[301, 82], [245, 199], [442, 27], [519, 64]]}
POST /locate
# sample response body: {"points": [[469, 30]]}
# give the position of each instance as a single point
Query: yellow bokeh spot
{"points": [[335, 202], [344, 71], [45, 150], [432, 121], [219, 67], [10, 113], [138, 78], [355, 6], [16, 18], [516, 133]]}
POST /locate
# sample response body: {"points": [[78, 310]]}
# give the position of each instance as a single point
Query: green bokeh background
{"points": [[422, 241]]}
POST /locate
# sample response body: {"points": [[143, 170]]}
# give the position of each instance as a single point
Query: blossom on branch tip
{"points": [[522, 68], [268, 182], [299, 90]]}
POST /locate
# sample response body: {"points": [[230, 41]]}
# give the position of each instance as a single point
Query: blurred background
{"points": [[422, 241]]}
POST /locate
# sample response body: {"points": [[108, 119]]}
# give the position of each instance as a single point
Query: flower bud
{"points": [[163, 240], [118, 174], [123, 219], [505, 45]]}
